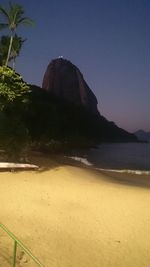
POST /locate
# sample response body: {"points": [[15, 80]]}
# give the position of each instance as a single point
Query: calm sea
{"points": [[122, 157]]}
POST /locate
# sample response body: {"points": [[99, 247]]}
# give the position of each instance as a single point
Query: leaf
{"points": [[26, 21], [4, 12]]}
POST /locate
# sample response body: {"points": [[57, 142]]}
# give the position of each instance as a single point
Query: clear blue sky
{"points": [[108, 40]]}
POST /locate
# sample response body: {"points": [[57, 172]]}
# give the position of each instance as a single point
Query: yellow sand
{"points": [[74, 217]]}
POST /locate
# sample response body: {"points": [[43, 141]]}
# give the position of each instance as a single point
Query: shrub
{"points": [[12, 87], [14, 136]]}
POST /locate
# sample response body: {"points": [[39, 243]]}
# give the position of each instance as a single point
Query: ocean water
{"points": [[121, 157]]}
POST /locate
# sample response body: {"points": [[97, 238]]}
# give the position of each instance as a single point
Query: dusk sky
{"points": [[108, 40]]}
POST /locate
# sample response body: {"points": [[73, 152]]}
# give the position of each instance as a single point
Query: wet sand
{"points": [[72, 216]]}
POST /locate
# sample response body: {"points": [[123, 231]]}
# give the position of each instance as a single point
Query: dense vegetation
{"points": [[13, 100], [14, 91]]}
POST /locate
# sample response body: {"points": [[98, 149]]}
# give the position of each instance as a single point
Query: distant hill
{"points": [[142, 135]]}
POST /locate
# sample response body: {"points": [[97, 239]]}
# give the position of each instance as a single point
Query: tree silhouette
{"points": [[13, 17], [15, 50]]}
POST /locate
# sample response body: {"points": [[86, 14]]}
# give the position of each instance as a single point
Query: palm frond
{"points": [[15, 12], [4, 12], [25, 20]]}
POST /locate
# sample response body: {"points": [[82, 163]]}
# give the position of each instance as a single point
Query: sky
{"points": [[108, 40]]}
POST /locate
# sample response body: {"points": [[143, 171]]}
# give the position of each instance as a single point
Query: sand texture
{"points": [[75, 217]]}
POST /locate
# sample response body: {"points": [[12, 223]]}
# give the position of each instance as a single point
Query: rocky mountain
{"points": [[64, 80], [142, 135], [70, 107]]}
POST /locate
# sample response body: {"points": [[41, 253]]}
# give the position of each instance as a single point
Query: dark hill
{"points": [[142, 135], [52, 118]]}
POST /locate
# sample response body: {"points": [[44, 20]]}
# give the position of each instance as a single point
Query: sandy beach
{"points": [[73, 216]]}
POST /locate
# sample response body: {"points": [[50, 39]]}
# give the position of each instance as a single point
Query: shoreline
{"points": [[42, 161], [121, 157], [85, 162]]}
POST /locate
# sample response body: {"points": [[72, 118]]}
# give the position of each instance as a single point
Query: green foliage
{"points": [[12, 87], [14, 136], [14, 91]]}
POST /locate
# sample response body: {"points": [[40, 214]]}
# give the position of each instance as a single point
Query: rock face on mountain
{"points": [[76, 106], [64, 80]]}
